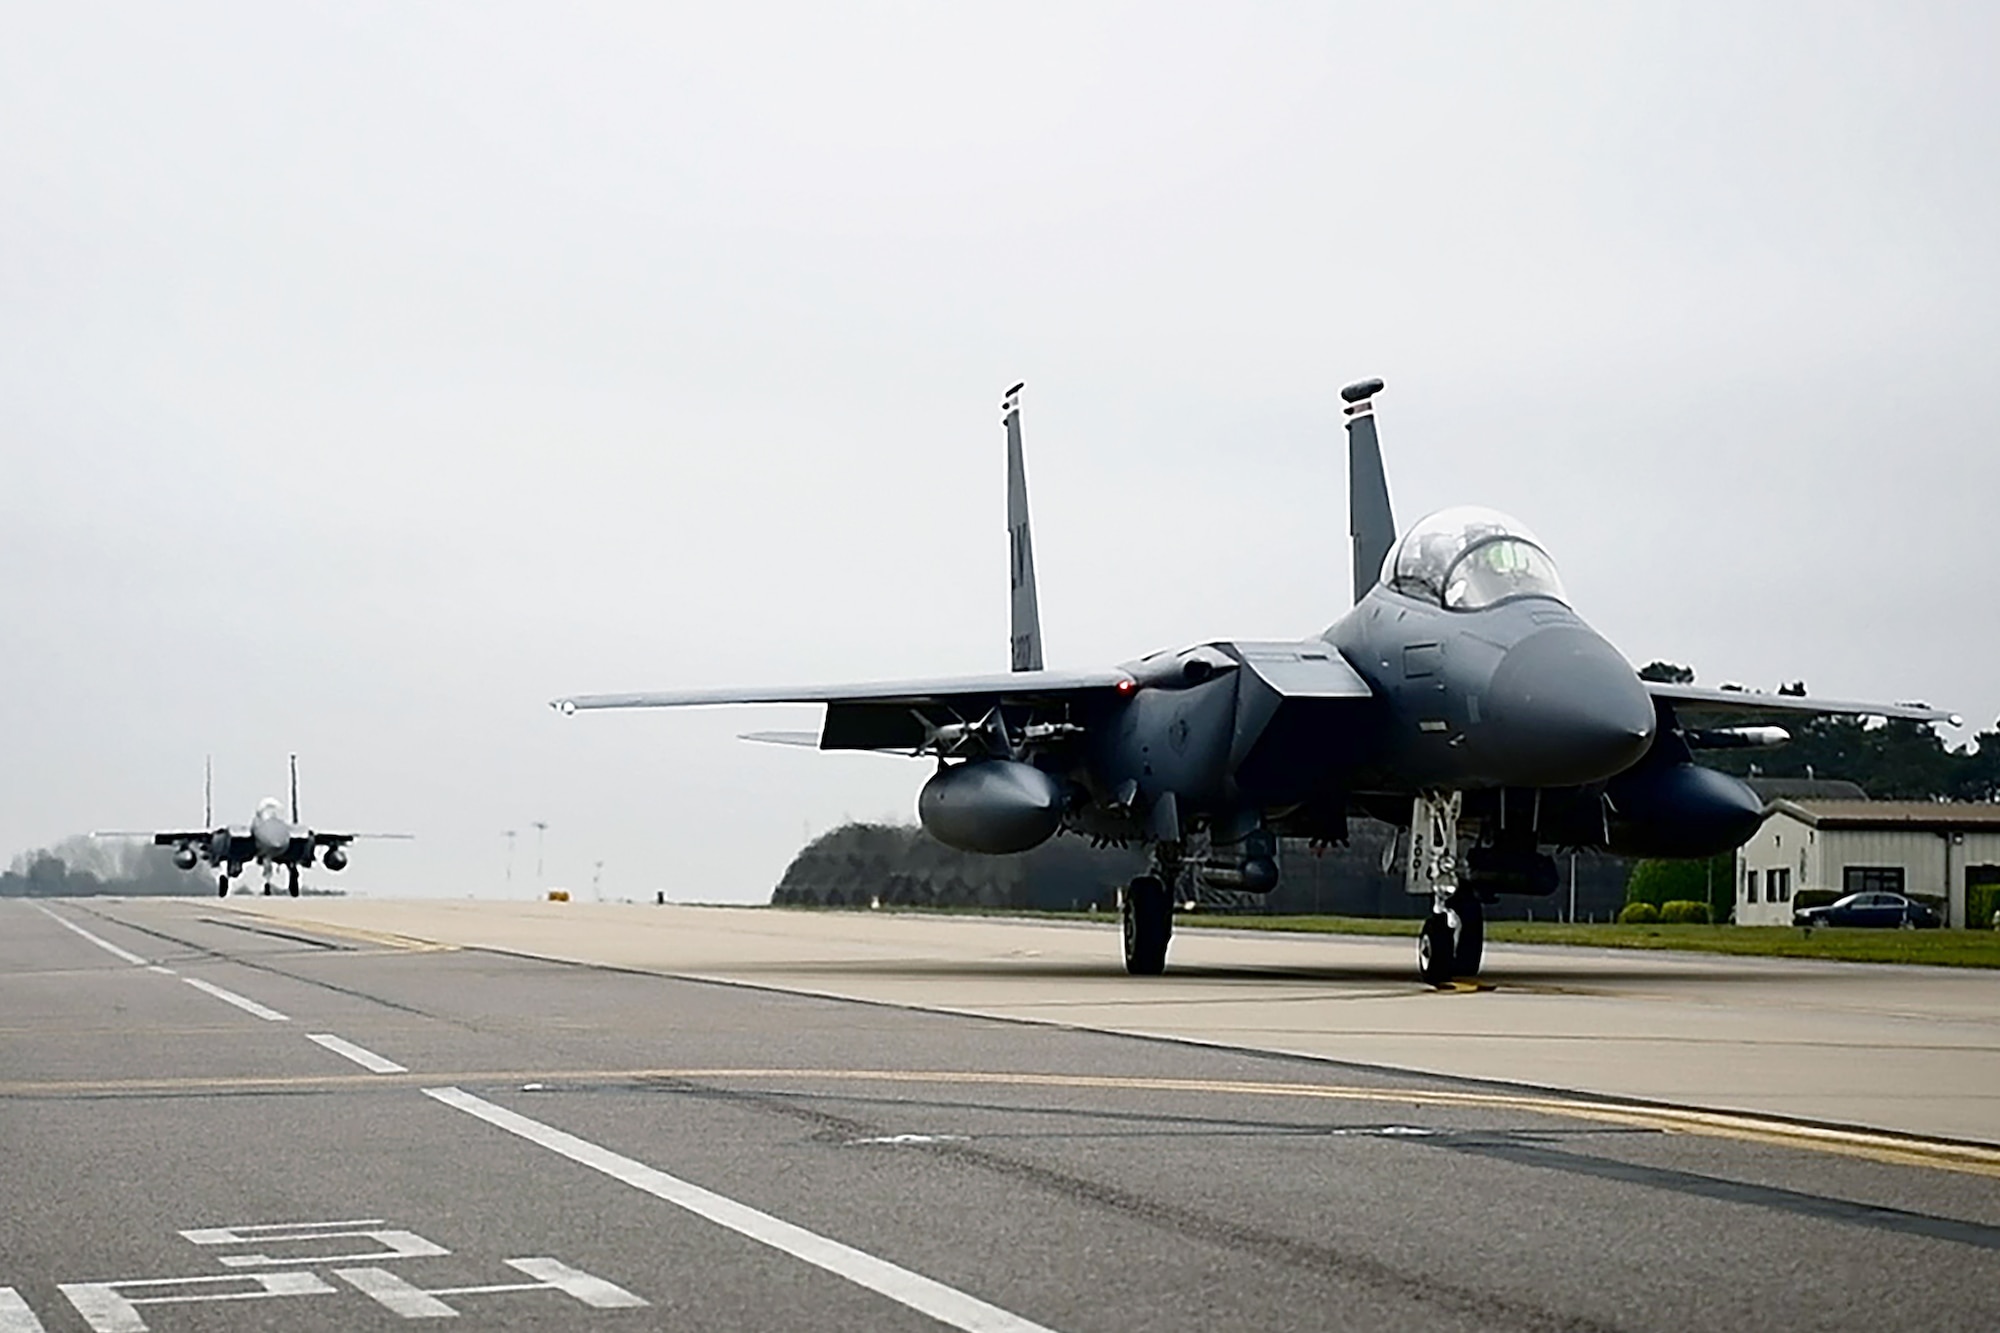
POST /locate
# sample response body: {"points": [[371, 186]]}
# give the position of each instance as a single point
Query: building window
{"points": [[1871, 879], [1750, 884], [1778, 885]]}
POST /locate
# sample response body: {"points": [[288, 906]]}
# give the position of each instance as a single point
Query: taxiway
{"points": [[343, 1114]]}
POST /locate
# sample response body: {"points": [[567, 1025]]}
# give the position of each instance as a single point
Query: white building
{"points": [[1919, 848]]}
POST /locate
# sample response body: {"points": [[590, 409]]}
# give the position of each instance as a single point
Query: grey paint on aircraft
{"points": [[1024, 615]]}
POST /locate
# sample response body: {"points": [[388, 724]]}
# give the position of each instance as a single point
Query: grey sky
{"points": [[371, 374]]}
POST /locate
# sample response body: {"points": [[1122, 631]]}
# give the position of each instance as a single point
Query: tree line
{"points": [[83, 867]]}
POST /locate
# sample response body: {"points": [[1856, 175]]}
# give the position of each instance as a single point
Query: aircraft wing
{"points": [[885, 715], [342, 839], [157, 839], [167, 839], [1008, 686], [1697, 706]]}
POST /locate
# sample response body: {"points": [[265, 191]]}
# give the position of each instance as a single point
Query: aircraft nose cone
{"points": [[1568, 710], [271, 833]]}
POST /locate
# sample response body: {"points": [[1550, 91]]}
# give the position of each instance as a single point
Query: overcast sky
{"points": [[370, 375]]}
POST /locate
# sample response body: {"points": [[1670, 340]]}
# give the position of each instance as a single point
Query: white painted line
{"points": [[113, 1307], [361, 1055], [394, 1294], [592, 1291], [243, 1233], [103, 944], [163, 971], [945, 1304], [15, 1316], [231, 997]]}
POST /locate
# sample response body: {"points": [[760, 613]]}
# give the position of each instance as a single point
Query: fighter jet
{"points": [[1462, 698], [269, 840]]}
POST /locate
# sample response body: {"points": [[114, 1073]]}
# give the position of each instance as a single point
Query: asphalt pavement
{"points": [[217, 1121]]}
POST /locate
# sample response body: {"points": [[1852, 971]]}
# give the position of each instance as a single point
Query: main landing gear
{"points": [[292, 879], [222, 886], [1454, 935], [1146, 912]]}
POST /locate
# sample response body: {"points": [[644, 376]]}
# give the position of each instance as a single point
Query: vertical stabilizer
{"points": [[1025, 613], [295, 789], [208, 791], [1369, 520]]}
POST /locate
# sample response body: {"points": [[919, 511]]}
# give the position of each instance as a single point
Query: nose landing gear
{"points": [[1453, 939]]}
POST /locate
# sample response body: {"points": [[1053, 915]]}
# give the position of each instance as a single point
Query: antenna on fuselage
{"points": [[1370, 522], [1025, 637]]}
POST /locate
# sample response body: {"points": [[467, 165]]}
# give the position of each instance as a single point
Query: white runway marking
{"points": [[163, 971], [592, 1291], [15, 1316], [945, 1304], [103, 944], [394, 1294], [248, 1006], [361, 1055]]}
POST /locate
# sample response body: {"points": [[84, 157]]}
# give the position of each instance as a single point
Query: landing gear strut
{"points": [[1454, 934], [1146, 911]]}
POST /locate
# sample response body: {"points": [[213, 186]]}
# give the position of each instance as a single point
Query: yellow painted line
{"points": [[1972, 1159], [383, 938]]}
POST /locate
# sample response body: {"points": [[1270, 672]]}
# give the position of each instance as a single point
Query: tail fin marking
{"points": [[1370, 521]]}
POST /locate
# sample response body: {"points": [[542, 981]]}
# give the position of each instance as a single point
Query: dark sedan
{"points": [[1870, 909]]}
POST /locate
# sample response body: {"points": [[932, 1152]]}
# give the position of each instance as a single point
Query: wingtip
{"points": [[567, 707]]}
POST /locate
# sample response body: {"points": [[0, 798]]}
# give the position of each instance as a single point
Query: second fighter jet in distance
{"points": [[270, 840], [1461, 697]]}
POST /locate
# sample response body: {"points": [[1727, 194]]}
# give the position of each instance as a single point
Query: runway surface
{"points": [[331, 1115]]}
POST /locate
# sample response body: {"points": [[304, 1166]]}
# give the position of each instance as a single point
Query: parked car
{"points": [[1870, 909]]}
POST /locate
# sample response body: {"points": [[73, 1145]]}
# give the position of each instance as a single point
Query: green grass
{"points": [[1932, 948], [1935, 948]]}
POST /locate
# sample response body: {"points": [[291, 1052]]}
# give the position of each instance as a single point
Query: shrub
{"points": [[1659, 882], [1981, 902], [1639, 914], [1684, 912]]}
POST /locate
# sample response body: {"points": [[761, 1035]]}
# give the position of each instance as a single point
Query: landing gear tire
{"points": [[1436, 950], [292, 880], [222, 886], [1471, 943], [1148, 920]]}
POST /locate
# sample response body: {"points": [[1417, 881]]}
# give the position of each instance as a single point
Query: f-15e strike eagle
{"points": [[269, 840], [1461, 698]]}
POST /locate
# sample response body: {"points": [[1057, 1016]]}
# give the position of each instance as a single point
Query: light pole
{"points": [[596, 882], [508, 834], [541, 828]]}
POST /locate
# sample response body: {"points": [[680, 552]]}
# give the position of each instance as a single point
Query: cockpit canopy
{"points": [[1466, 558]]}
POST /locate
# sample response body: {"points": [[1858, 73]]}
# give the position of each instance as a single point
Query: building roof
{"points": [[1894, 814]]}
